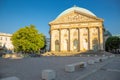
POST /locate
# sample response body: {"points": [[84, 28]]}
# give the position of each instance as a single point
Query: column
{"points": [[88, 38], [50, 40], [78, 39], [99, 38], [69, 40], [59, 39]]}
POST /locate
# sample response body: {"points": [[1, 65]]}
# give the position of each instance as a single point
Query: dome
{"points": [[79, 9], [107, 33]]}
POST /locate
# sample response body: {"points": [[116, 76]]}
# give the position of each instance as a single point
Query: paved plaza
{"points": [[110, 71], [31, 68]]}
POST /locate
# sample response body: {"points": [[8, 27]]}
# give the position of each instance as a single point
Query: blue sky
{"points": [[15, 14]]}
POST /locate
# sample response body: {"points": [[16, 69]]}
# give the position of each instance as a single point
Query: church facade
{"points": [[76, 30]]}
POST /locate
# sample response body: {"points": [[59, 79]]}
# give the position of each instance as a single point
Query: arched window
{"points": [[85, 44], [66, 45], [95, 44], [75, 45], [57, 45]]}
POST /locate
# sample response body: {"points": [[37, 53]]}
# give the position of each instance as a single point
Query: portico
{"points": [[76, 30]]}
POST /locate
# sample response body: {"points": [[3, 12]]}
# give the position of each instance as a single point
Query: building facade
{"points": [[5, 41], [76, 30]]}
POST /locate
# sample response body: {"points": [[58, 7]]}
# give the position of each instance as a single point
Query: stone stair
{"points": [[60, 53], [75, 53]]}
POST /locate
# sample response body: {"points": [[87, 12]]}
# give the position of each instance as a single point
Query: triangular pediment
{"points": [[75, 16]]}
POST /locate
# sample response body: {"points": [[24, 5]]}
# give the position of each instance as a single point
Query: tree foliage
{"points": [[28, 39], [112, 43]]}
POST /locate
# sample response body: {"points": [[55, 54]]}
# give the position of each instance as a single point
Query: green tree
{"points": [[112, 43], [28, 39]]}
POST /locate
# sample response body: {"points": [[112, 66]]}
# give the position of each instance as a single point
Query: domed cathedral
{"points": [[76, 30]]}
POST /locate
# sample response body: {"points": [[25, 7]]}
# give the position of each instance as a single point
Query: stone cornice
{"points": [[74, 22], [76, 28]]}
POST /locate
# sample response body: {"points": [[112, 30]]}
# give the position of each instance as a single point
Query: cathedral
{"points": [[76, 30]]}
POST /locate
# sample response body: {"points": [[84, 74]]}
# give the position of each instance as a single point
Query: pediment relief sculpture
{"points": [[74, 17]]}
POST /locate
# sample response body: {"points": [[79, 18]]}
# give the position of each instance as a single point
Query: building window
{"points": [[85, 44], [65, 47], [95, 44], [57, 45], [75, 45]]}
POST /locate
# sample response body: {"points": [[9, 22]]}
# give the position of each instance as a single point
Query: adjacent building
{"points": [[76, 30], [5, 41]]}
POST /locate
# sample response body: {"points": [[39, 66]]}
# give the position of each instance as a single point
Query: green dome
{"points": [[107, 33], [79, 9]]}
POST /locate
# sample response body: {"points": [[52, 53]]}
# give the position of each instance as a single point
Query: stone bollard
{"points": [[83, 64], [48, 75], [103, 58], [10, 78], [91, 62], [69, 68], [97, 60]]}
